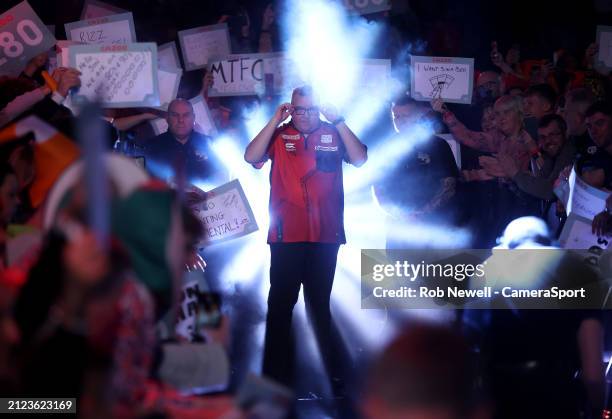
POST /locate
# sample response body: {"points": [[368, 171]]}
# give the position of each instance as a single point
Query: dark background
{"points": [[446, 27]]}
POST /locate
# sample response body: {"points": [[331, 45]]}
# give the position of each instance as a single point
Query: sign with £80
{"points": [[22, 37]]}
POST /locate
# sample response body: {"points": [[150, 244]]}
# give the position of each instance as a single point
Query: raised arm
{"points": [[478, 140], [127, 122], [257, 148]]}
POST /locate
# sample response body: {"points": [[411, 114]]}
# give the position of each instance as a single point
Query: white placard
{"points": [[578, 234], [114, 29], [119, 76], [93, 9], [604, 45], [584, 200], [447, 78], [227, 215], [454, 146], [167, 56], [168, 81], [203, 119], [199, 45], [22, 37], [244, 74]]}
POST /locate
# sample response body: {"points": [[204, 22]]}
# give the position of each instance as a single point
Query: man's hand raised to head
{"points": [[330, 112], [282, 112]]}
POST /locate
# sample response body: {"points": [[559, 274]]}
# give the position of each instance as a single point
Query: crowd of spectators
{"points": [[81, 316]]}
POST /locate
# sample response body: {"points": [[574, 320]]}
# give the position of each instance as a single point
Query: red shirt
{"points": [[306, 192]]}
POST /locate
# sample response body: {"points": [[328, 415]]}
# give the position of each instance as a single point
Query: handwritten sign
{"points": [[447, 78], [168, 81], [245, 74], [22, 37], [584, 200], [119, 76], [227, 215], [364, 7], [578, 234], [93, 9], [198, 45], [204, 122], [167, 56], [604, 44], [115, 29]]}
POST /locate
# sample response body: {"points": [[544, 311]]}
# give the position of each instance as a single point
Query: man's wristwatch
{"points": [[338, 121]]}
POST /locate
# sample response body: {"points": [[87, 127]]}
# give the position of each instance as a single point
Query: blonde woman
{"points": [[508, 138], [499, 202]]}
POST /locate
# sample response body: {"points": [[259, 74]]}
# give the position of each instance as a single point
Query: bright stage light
{"points": [[383, 156], [326, 47]]}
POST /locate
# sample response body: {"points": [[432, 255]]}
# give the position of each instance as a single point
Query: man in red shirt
{"points": [[306, 221]]}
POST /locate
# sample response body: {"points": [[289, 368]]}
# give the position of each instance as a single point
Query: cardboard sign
{"points": [[167, 56], [447, 78], [245, 74], [114, 29], [578, 234], [118, 76], [168, 81], [204, 122], [199, 45], [604, 44], [364, 7], [93, 9], [22, 37], [227, 215], [583, 199]]}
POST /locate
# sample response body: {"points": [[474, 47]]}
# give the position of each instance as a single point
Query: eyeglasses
{"points": [[298, 110]]}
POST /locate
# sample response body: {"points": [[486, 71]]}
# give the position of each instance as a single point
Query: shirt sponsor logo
{"points": [[326, 138], [290, 147], [324, 148], [592, 149], [290, 137]]}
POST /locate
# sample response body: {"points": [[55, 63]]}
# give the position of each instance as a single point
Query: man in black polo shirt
{"points": [[421, 184], [182, 147], [596, 169]]}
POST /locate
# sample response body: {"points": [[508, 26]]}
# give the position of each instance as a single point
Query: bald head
{"points": [[181, 118]]}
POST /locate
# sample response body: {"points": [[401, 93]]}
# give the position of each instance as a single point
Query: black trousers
{"points": [[292, 265]]}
